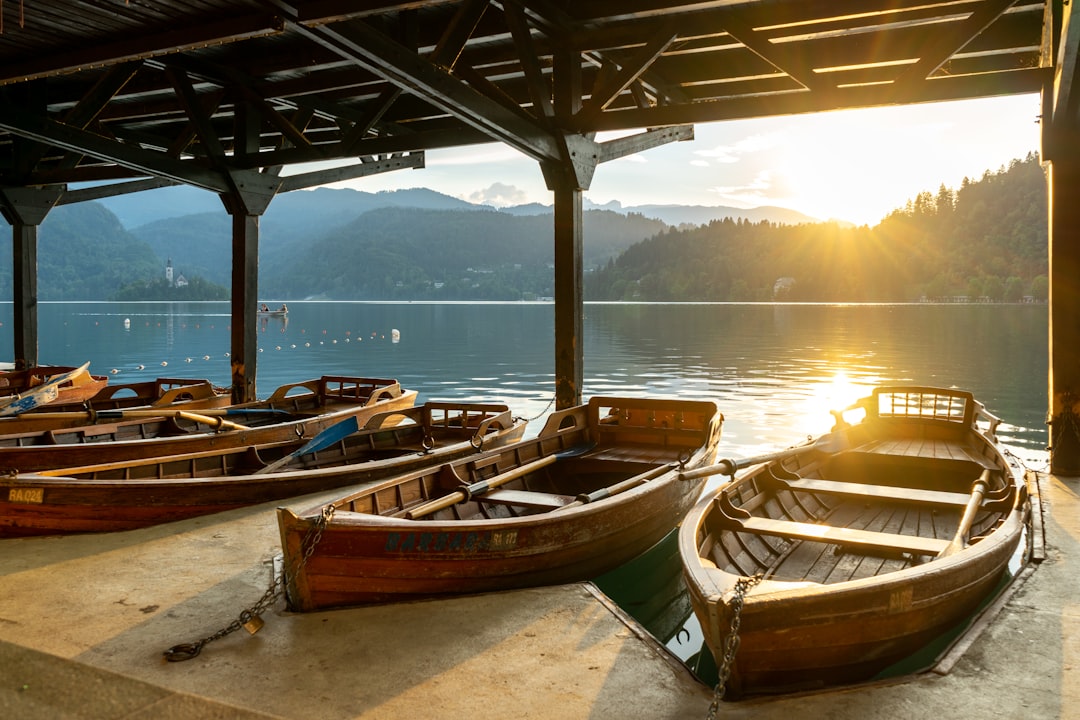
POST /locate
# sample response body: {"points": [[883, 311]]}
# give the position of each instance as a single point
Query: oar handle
{"points": [[617, 488], [218, 423], [479, 488], [978, 491], [730, 466]]}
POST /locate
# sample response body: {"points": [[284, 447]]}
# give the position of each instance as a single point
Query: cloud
{"points": [[699, 163], [759, 142], [499, 195], [765, 187]]}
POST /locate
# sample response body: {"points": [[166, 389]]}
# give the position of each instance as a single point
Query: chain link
{"points": [[252, 616], [731, 642], [542, 412]]}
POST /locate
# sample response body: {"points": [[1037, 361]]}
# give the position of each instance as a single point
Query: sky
{"points": [[852, 165]]}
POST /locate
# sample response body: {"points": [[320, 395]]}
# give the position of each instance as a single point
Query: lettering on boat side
{"points": [[34, 496], [464, 542], [900, 600]]}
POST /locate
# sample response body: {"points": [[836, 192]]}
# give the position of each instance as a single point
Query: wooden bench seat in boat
{"points": [[861, 539], [527, 498], [924, 448], [877, 492], [727, 517]]}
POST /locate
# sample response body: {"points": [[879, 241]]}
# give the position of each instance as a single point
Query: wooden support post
{"points": [[1064, 211], [569, 295], [245, 291], [252, 194], [26, 209]]}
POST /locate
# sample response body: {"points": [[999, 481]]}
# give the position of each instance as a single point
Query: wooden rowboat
{"points": [[296, 411], [24, 390], [865, 544], [598, 486], [165, 393], [127, 495]]}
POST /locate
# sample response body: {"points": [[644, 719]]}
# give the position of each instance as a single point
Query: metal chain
{"points": [[542, 412], [251, 618], [731, 642]]}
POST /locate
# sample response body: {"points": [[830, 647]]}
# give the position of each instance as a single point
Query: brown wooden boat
{"points": [[164, 393], [294, 411], [126, 495], [25, 390], [598, 486], [864, 545]]}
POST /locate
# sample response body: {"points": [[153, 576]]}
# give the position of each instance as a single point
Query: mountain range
{"points": [[394, 235], [338, 206]]}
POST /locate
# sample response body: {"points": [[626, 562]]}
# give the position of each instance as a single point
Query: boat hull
{"points": [[367, 557], [124, 496], [833, 611], [284, 416]]}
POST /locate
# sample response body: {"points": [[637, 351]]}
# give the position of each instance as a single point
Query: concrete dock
{"points": [[84, 622]]}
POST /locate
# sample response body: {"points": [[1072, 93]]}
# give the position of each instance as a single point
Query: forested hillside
{"points": [[84, 254], [398, 253], [987, 238]]}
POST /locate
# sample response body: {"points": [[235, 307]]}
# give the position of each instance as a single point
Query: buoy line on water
{"points": [[394, 336]]}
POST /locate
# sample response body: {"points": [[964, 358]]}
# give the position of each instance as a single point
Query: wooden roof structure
{"points": [[195, 91], [101, 97]]}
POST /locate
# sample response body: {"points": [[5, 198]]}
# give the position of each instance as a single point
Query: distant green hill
{"points": [[432, 254], [985, 240], [85, 254]]}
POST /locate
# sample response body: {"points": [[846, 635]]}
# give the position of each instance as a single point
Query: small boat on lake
{"points": [[598, 486], [297, 411], [126, 495], [162, 393], [24, 390], [853, 551]]}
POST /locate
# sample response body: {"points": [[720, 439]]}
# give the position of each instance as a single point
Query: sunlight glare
{"points": [[835, 393]]}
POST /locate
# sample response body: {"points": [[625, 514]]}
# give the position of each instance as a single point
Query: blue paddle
{"points": [[327, 437]]}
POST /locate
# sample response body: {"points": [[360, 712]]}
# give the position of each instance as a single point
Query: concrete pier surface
{"points": [[84, 621]]}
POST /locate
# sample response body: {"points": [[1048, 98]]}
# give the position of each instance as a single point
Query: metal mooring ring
{"points": [[182, 652]]}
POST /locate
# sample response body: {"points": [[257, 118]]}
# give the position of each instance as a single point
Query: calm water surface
{"points": [[774, 370]]}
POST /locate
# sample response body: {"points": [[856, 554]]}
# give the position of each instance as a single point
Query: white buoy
{"points": [[395, 336], [127, 323]]}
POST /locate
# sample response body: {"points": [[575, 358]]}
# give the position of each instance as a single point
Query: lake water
{"points": [[774, 369]]}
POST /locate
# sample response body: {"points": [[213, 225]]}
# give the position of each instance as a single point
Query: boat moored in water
{"points": [[599, 485], [295, 411], [126, 495], [843, 556]]}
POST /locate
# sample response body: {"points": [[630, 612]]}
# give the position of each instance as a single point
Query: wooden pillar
{"points": [[569, 294], [252, 194], [245, 298], [1064, 225], [26, 209]]}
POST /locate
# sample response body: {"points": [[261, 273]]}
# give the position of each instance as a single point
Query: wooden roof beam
{"points": [[139, 47], [796, 102], [375, 51], [947, 44], [66, 137]]}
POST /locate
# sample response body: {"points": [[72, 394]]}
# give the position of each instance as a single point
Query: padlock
{"points": [[254, 625]]}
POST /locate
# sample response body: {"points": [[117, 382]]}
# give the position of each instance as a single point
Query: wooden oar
{"points": [[40, 395], [829, 442], [479, 488], [617, 488], [978, 491], [118, 414], [329, 436]]}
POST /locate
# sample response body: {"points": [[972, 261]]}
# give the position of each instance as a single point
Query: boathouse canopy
{"points": [[244, 97], [197, 91]]}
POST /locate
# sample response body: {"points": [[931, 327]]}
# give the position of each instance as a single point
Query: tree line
{"points": [[986, 240]]}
